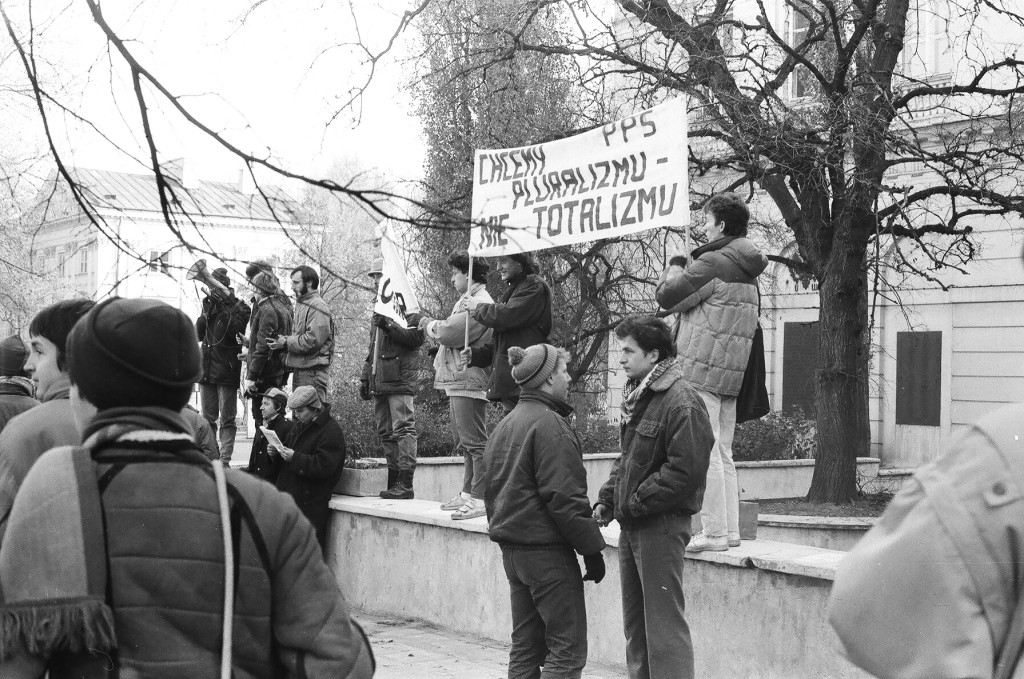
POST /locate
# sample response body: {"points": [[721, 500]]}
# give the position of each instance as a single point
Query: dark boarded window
{"points": [[799, 363], [918, 378]]}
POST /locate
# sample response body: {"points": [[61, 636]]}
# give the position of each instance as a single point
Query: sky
{"points": [[269, 83]]}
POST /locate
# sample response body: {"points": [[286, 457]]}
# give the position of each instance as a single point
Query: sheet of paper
{"points": [[272, 437]]}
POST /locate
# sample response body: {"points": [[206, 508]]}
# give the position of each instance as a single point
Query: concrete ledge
{"points": [[754, 611], [835, 533], [439, 478]]}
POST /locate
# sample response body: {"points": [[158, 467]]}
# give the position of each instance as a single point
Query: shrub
{"points": [[776, 436], [598, 435]]}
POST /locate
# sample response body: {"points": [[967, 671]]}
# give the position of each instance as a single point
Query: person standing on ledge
{"points": [[538, 512], [310, 345]]}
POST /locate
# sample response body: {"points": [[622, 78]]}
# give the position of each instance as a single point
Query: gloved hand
{"points": [[382, 322], [364, 391], [595, 567], [678, 260]]}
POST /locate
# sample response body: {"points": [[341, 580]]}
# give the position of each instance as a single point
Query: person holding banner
{"points": [[521, 319], [715, 296], [466, 386], [389, 378]]}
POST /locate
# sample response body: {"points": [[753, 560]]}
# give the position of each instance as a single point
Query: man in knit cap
{"points": [[16, 388], [116, 560], [538, 512], [223, 319], [656, 485], [50, 424], [271, 316]]}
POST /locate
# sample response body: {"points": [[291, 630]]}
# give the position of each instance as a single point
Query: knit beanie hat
{"points": [[266, 283], [220, 274], [531, 367], [134, 352], [13, 355]]}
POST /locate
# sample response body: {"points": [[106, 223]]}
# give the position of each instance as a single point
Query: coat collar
{"points": [[670, 377], [556, 404]]}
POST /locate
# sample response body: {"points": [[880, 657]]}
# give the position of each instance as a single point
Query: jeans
{"points": [[396, 426], [658, 644], [468, 415], [549, 615], [313, 377], [220, 406], [720, 513]]}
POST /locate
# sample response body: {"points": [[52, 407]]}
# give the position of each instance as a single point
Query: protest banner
{"points": [[395, 297], [621, 178]]}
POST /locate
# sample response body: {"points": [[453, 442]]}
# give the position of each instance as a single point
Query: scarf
{"points": [[636, 389], [53, 564]]}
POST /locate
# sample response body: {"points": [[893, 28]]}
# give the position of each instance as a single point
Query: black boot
{"points": [[402, 490], [392, 481]]}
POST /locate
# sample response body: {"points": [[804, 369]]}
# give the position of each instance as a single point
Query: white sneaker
{"points": [[733, 539], [456, 502], [702, 543]]}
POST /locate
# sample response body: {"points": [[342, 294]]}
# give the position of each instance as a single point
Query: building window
{"points": [[801, 82], [60, 265], [919, 378], [926, 51], [160, 261], [83, 261], [799, 366]]}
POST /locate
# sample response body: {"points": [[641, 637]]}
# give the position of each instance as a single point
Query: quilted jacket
{"points": [[313, 326], [450, 333], [716, 299]]}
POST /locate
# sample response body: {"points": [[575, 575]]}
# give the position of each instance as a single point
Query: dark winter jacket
{"points": [[202, 432], [261, 462], [15, 398], [521, 319], [218, 327], [165, 554], [314, 470], [716, 297], [666, 447], [272, 316], [398, 361], [536, 484], [312, 343]]}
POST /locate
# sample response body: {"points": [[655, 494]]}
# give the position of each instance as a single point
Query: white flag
{"points": [[395, 297]]}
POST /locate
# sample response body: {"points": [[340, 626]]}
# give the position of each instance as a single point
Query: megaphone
{"points": [[198, 271]]}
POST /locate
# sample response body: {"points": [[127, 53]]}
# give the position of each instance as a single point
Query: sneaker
{"points": [[733, 539], [455, 502], [471, 510], [702, 543]]}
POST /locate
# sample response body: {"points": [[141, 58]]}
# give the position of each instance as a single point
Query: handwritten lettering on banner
{"points": [[624, 177]]}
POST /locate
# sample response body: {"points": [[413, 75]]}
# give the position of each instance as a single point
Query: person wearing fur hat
{"points": [[466, 386], [15, 386], [50, 424], [223, 319], [313, 457], [538, 512], [261, 462], [271, 316], [522, 318], [127, 555]]}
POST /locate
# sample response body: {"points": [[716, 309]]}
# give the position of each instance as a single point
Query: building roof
{"points": [[138, 192]]}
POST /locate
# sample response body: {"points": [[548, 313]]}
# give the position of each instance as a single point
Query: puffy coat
{"points": [[398, 362], [202, 432], [312, 339], [271, 316], [451, 335], [15, 398], [931, 590], [165, 554], [29, 435], [536, 484], [218, 327], [261, 462], [716, 298], [313, 472], [521, 319], [666, 447]]}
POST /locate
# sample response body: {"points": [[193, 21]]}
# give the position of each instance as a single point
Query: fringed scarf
{"points": [[635, 389], [53, 565]]}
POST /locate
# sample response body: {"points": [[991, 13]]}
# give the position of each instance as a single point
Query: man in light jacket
{"points": [[466, 386], [716, 296], [310, 345]]}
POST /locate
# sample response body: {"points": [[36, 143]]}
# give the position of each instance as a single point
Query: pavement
{"points": [[410, 649]]}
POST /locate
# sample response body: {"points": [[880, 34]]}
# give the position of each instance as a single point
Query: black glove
{"points": [[595, 567], [364, 391], [678, 260], [382, 322]]}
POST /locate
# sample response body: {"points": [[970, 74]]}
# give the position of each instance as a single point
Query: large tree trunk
{"points": [[842, 379]]}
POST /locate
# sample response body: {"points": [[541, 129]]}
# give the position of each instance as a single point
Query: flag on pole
{"points": [[395, 296], [618, 179]]}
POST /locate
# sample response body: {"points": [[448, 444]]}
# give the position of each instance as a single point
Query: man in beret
{"points": [[224, 317], [261, 462], [116, 559], [15, 386], [314, 457], [50, 424]]}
